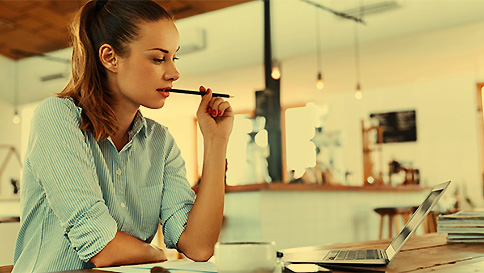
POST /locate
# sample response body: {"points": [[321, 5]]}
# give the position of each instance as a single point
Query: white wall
{"points": [[10, 135], [10, 132], [9, 235]]}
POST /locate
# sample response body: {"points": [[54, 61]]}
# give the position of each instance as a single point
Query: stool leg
{"points": [[390, 226], [433, 221], [397, 224], [425, 225], [382, 218], [406, 217]]}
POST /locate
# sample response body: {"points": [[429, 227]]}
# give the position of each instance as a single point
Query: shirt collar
{"points": [[139, 125]]}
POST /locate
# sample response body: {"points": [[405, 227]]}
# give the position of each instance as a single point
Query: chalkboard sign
{"points": [[397, 126]]}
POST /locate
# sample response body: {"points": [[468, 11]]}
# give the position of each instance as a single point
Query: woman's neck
{"points": [[125, 120]]}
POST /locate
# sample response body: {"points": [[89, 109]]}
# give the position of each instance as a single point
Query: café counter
{"points": [[295, 215], [314, 187]]}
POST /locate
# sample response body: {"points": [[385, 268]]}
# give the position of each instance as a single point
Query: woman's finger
{"points": [[215, 103], [204, 104], [223, 107]]}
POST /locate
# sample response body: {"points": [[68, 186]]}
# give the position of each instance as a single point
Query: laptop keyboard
{"points": [[348, 255]]}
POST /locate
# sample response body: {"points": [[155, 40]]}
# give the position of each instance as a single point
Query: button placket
{"points": [[121, 179]]}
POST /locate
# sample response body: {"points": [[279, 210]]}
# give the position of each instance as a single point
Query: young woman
{"points": [[98, 175]]}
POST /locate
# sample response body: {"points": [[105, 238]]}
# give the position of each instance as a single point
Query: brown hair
{"points": [[111, 22]]}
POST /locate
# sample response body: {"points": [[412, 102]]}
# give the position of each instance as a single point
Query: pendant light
{"points": [[319, 79], [276, 70]]}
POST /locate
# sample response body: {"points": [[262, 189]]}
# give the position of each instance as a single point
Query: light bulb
{"points": [[319, 82], [358, 93], [16, 118], [276, 73]]}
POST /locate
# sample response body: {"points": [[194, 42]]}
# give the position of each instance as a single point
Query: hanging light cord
{"points": [[357, 55], [318, 42], [337, 13], [357, 48], [15, 89]]}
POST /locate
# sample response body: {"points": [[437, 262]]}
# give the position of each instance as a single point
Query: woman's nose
{"points": [[172, 73]]}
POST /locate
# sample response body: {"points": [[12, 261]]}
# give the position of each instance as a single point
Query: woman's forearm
{"points": [[126, 249], [205, 218]]}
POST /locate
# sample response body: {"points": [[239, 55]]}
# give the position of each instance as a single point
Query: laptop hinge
{"points": [[389, 252]]}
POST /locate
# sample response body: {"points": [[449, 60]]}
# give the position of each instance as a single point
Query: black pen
{"points": [[198, 93]]}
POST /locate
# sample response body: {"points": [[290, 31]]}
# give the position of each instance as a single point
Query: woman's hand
{"points": [[215, 116], [158, 254]]}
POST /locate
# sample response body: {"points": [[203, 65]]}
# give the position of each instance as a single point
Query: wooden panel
{"points": [[63, 6], [42, 26], [7, 12], [18, 5], [55, 19], [57, 37], [31, 23]]}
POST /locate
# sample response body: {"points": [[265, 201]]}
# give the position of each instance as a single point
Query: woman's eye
{"points": [[156, 60]]}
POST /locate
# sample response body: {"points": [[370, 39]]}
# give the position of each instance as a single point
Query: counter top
{"points": [[309, 187], [15, 197]]}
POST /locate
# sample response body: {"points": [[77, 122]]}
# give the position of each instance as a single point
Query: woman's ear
{"points": [[108, 58]]}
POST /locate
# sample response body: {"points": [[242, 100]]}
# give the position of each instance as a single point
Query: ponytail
{"points": [[112, 22]]}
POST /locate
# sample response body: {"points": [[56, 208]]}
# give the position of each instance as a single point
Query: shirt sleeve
{"points": [[178, 197], [62, 164]]}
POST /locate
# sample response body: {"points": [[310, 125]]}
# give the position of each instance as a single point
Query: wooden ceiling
{"points": [[39, 27]]}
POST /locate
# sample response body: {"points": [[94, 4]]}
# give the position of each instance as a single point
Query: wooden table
{"points": [[9, 219], [426, 253]]}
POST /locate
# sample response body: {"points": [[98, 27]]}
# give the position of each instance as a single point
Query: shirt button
{"points": [[118, 171], [123, 205]]}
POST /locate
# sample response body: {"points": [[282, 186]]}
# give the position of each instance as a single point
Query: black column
{"points": [[268, 103]]}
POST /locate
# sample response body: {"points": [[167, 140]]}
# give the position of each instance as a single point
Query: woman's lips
{"points": [[163, 92]]}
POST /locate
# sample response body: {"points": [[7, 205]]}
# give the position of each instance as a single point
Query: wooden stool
{"points": [[392, 213], [429, 224]]}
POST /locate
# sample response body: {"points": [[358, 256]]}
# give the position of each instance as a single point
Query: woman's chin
{"points": [[154, 105]]}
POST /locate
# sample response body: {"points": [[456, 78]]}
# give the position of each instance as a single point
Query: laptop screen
{"points": [[417, 218]]}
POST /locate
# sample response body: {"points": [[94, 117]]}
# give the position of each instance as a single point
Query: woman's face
{"points": [[149, 67]]}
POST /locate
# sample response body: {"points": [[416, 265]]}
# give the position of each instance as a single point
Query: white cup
{"points": [[238, 257]]}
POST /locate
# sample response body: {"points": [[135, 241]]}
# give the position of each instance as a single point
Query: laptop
{"points": [[369, 256]]}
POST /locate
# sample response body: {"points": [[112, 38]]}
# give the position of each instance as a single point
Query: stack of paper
{"points": [[178, 266], [463, 226]]}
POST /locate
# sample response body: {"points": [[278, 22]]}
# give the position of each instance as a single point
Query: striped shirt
{"points": [[77, 192]]}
